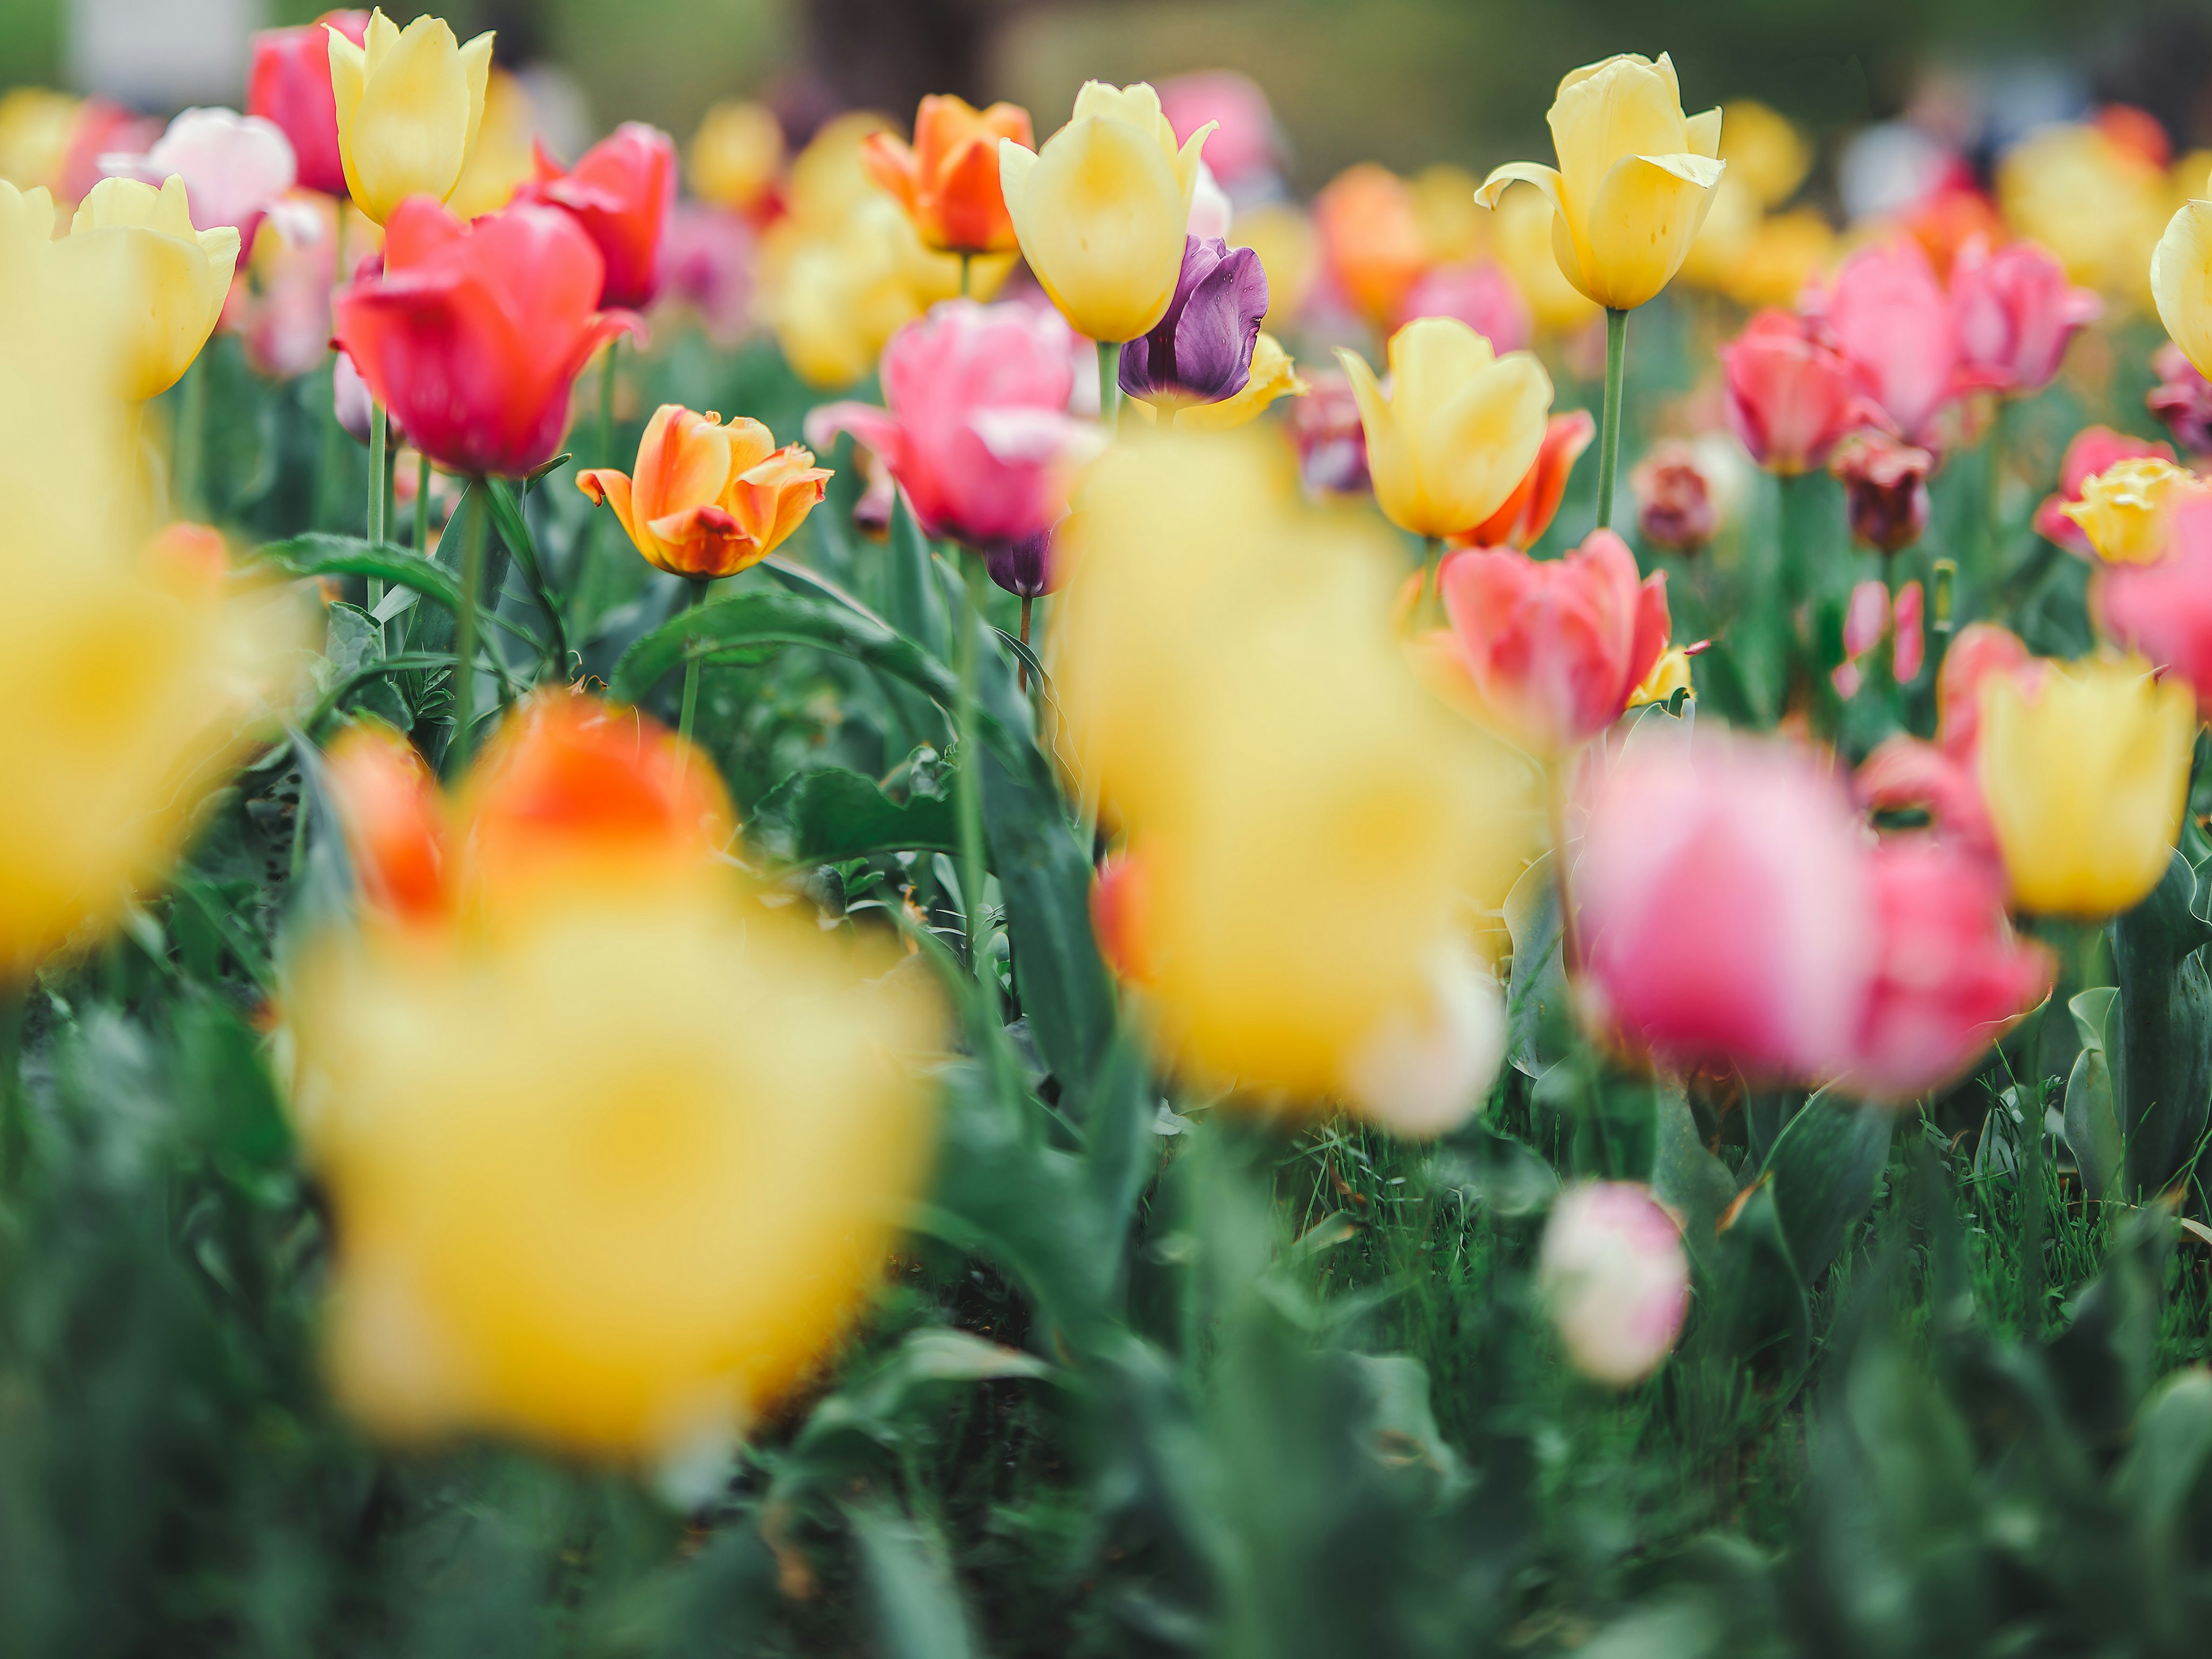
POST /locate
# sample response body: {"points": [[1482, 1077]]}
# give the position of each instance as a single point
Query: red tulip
{"points": [[1792, 398], [473, 334], [290, 83], [2016, 313], [2164, 610], [1554, 646], [1892, 320], [977, 431], [1534, 502], [621, 193], [2093, 450]]}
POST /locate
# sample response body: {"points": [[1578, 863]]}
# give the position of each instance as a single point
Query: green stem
{"points": [[14, 1107], [379, 438], [1571, 944], [192, 440], [1109, 384], [1026, 601], [465, 640], [966, 260], [423, 505], [1608, 437], [327, 465], [969, 780], [1433, 557], [694, 593]]}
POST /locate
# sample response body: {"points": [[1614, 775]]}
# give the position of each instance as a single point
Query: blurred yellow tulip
{"points": [[2097, 204], [2085, 775], [735, 156], [1764, 150], [2181, 280], [1101, 209], [1671, 674], [36, 128], [2125, 510], [1522, 239], [1453, 224], [132, 250], [1289, 250], [1458, 429], [503, 157], [1635, 178], [409, 102], [1786, 251]]}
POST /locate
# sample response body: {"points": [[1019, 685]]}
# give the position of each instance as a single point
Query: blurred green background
{"points": [[1405, 82]]}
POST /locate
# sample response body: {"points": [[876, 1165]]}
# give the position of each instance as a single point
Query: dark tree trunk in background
{"points": [[887, 54]]}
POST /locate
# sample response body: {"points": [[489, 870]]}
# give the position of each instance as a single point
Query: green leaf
{"points": [[914, 1378], [917, 1605], [828, 815], [917, 607], [2105, 1361], [514, 531], [2093, 1122], [1685, 1177], [2160, 1052], [1536, 991], [316, 554], [1825, 1167], [1759, 1314]]}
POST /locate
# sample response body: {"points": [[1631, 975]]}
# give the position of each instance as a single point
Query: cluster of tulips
{"points": [[567, 1044]]}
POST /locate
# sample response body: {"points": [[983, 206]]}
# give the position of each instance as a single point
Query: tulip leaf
{"points": [[1536, 990], [1759, 1313], [2161, 1046], [827, 815], [1824, 1167], [2093, 1123], [919, 1614], [317, 554], [916, 606], [514, 531], [1685, 1177]]}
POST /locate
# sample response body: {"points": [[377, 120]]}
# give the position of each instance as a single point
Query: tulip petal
{"points": [[1484, 440], [1641, 222], [2181, 282], [1492, 189], [1629, 106], [1100, 215], [411, 131], [1705, 134], [605, 484], [475, 65]]}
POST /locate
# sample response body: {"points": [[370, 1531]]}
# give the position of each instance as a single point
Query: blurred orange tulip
{"points": [[1370, 233], [948, 178]]}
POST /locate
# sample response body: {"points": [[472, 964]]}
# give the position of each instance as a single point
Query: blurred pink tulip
{"points": [[1980, 650], [1554, 646], [712, 254], [1481, 294], [2182, 400], [2016, 314], [2164, 610], [1726, 910], [1792, 398], [235, 167], [1675, 504], [1242, 151], [290, 83], [1615, 1278], [1891, 320], [977, 430], [280, 310], [1884, 489], [2093, 448], [1941, 778]]}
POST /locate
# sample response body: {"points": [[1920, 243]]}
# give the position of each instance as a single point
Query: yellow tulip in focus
{"points": [[1522, 239], [2085, 777], [2124, 509], [1635, 178], [1101, 209], [409, 102], [2181, 280], [1458, 429], [504, 156], [132, 249], [2096, 204], [735, 156]]}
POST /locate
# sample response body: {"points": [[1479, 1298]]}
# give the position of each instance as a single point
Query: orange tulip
{"points": [[1529, 510], [948, 178], [709, 499], [1371, 234]]}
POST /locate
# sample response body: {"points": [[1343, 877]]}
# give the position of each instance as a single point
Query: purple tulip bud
{"points": [[1201, 350], [1025, 567], [1884, 489]]}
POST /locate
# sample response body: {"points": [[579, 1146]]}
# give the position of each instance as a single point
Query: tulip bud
{"points": [[1884, 489], [2016, 314], [708, 501], [1200, 350], [409, 103], [1025, 567], [2125, 511], [948, 180], [2085, 774], [1457, 431], [1614, 1277], [621, 193], [290, 83], [1674, 505]]}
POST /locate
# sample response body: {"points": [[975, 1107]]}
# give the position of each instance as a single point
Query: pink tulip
{"points": [[621, 193], [1726, 907], [1553, 647], [281, 310], [2182, 399], [2016, 313], [1891, 320], [712, 254], [290, 83], [1950, 975], [977, 430], [1243, 151], [2164, 610], [1615, 1278], [1792, 398], [1481, 294], [1905, 772], [2093, 448], [236, 168], [1868, 620]]}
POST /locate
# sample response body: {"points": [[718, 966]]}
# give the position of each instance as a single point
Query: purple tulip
{"points": [[1025, 566], [1201, 350]]}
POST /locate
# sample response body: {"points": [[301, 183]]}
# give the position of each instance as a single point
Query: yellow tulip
{"points": [[2124, 509], [37, 126], [1522, 239], [1635, 178], [1455, 227], [1289, 250], [504, 154], [1273, 376], [408, 105], [1458, 429], [1764, 149], [1671, 674], [2097, 204], [1788, 250], [1101, 209], [2085, 776], [735, 154], [133, 249], [2181, 280]]}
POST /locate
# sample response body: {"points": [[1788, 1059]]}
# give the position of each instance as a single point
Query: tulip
{"points": [[388, 808], [409, 103], [621, 193], [2182, 399], [166, 281], [350, 403], [2126, 511], [290, 83], [1200, 350], [1528, 511], [2016, 314], [1786, 251], [2096, 201], [1764, 150], [473, 334], [1675, 505], [1634, 182], [1243, 151], [1521, 236], [1949, 974], [948, 180], [2162, 611], [1290, 252], [1892, 322], [281, 312], [1457, 431], [1371, 237], [1103, 209], [2093, 450], [504, 158], [1554, 646], [524, 1115], [236, 168], [710, 255], [975, 428], [735, 156], [2085, 775], [2181, 280], [1726, 910], [1671, 674], [1272, 376], [1792, 398], [1870, 618], [709, 499], [1331, 443], [1615, 1278], [1481, 294], [1982, 652], [1884, 489]]}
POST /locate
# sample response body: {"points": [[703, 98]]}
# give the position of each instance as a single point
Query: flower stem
{"points": [[607, 456], [191, 440], [1109, 384], [1608, 439], [465, 640], [1026, 601], [1571, 944], [15, 1108], [379, 437], [423, 505], [694, 593], [966, 261], [968, 780]]}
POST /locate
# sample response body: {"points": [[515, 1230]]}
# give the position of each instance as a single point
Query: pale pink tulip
{"points": [[1615, 1279], [1481, 294], [1243, 151], [1888, 315], [2164, 610], [236, 169], [2016, 314]]}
